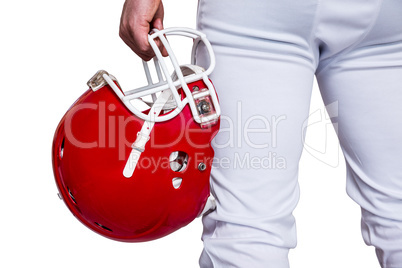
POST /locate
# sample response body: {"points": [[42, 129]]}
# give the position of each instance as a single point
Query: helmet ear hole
{"points": [[178, 161]]}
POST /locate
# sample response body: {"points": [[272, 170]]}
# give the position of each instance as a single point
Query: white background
{"points": [[49, 49]]}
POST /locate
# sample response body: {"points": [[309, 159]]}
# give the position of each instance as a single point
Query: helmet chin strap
{"points": [[143, 135]]}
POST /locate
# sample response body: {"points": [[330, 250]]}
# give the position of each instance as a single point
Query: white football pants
{"points": [[268, 52]]}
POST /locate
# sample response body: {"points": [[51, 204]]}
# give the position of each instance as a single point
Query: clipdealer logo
{"points": [[270, 160], [325, 146], [257, 141]]}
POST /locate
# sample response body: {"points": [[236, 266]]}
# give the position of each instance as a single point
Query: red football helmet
{"points": [[136, 175]]}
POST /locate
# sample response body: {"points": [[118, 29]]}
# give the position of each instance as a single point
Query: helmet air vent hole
{"points": [[176, 182], [178, 161], [103, 227], [71, 196]]}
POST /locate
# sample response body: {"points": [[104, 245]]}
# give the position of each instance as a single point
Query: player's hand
{"points": [[138, 18]]}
